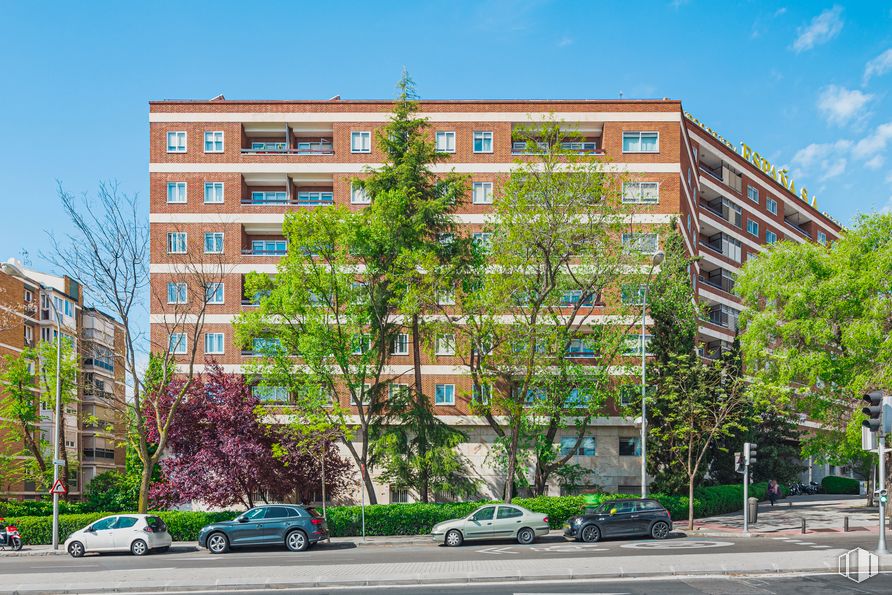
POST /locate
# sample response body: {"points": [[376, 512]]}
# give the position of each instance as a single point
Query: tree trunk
{"points": [[34, 448], [512, 465], [369, 486], [143, 505], [691, 502], [424, 472]]}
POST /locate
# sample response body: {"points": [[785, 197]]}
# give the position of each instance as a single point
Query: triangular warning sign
{"points": [[58, 488]]}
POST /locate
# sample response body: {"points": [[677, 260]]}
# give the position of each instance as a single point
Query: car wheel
{"points": [[76, 549], [526, 536], [454, 538], [590, 534], [297, 541], [217, 543], [139, 548], [660, 530]]}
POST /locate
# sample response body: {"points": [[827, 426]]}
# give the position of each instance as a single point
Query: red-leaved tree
{"points": [[222, 453]]}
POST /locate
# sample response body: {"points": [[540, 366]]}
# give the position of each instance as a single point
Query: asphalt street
{"points": [[552, 546], [762, 585]]}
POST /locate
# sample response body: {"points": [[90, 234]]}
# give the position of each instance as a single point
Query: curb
{"points": [[182, 547], [280, 585]]}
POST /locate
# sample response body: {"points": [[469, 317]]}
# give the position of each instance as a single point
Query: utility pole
{"points": [[879, 420], [749, 457]]}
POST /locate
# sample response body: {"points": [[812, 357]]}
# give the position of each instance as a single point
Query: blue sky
{"points": [[807, 84]]}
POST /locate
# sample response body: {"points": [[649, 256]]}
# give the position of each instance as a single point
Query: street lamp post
{"points": [[14, 271], [655, 261]]}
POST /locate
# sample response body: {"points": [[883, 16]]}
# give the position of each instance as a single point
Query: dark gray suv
{"points": [[620, 518], [295, 526]]}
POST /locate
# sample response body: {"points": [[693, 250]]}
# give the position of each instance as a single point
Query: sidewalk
{"points": [[292, 576], [823, 513]]}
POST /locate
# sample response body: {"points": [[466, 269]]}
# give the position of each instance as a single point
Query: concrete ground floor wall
{"points": [[610, 469]]}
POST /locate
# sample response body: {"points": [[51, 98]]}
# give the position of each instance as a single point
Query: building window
{"points": [[400, 345], [482, 394], [176, 142], [270, 394], [752, 227], [770, 236], [482, 239], [399, 495], [633, 344], [822, 238], [176, 242], [270, 197], [579, 348], [213, 193], [266, 345], [482, 141], [177, 293], [630, 447], [641, 193], [213, 141], [177, 344], [641, 142], [446, 297], [361, 142], [690, 175], [481, 193], [444, 394], [213, 343], [29, 334], [445, 142], [176, 192], [213, 242], [396, 390], [633, 294], [586, 447], [214, 293], [359, 196], [571, 297], [361, 344], [771, 205], [445, 345], [753, 194], [645, 243]]}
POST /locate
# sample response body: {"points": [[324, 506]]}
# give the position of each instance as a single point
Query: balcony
{"points": [[724, 174], [266, 248], [587, 147], [99, 453], [718, 279], [301, 147], [792, 224], [725, 209], [280, 197]]}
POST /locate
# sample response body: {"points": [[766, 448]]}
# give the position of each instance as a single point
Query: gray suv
{"points": [[295, 526]]}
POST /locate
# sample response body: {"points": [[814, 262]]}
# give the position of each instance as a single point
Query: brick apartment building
{"points": [[92, 423], [224, 173]]}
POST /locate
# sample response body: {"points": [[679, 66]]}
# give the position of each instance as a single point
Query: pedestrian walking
{"points": [[773, 491]]}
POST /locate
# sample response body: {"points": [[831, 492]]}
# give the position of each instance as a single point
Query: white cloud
{"points": [[874, 143], [821, 29], [565, 41], [833, 168], [878, 66], [887, 208], [827, 160], [876, 162], [838, 105]]}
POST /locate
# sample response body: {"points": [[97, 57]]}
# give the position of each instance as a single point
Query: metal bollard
{"points": [[803, 526], [845, 524]]}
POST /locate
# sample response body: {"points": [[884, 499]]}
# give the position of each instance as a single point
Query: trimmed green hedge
{"points": [[17, 508], [840, 485], [405, 519]]}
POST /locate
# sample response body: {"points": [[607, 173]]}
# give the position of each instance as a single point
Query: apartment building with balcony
{"points": [[223, 174], [28, 302]]}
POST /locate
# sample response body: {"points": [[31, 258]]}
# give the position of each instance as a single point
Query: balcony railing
{"points": [[539, 148], [281, 148], [311, 199], [725, 285], [263, 252], [797, 228]]}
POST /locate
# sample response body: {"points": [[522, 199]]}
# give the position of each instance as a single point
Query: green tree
{"points": [[47, 370], [413, 239], [816, 326], [20, 417], [528, 307]]}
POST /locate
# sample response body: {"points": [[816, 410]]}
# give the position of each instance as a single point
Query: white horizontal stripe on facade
{"points": [[278, 218], [718, 298], [476, 420], [748, 208], [11, 348], [173, 318], [717, 334], [385, 116], [784, 195], [706, 256], [402, 370], [358, 168]]}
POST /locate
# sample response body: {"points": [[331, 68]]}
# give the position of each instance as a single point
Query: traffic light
{"points": [[874, 411], [883, 495], [749, 453]]}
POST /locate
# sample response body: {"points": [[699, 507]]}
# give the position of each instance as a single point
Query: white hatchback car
{"points": [[137, 533]]}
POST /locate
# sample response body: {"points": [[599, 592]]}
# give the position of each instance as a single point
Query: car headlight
{"points": [[577, 521]]}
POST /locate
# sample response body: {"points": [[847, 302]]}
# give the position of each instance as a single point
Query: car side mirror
{"points": [[242, 519]]}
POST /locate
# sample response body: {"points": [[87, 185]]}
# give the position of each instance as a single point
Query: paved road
{"points": [[765, 585], [545, 548]]}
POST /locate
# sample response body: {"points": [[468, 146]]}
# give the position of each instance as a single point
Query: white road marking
{"points": [[497, 550], [676, 545]]}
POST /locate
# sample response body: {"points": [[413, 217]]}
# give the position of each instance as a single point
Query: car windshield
{"points": [[313, 512], [254, 513], [156, 524]]}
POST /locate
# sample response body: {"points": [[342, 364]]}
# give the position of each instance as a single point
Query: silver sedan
{"points": [[493, 521]]}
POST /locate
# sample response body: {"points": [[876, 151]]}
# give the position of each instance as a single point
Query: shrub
{"points": [[840, 485], [407, 519], [17, 508]]}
